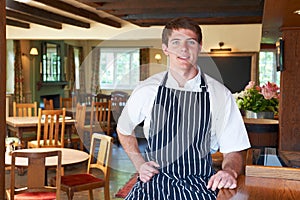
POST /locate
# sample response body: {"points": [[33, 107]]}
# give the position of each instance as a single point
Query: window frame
{"points": [[116, 83]]}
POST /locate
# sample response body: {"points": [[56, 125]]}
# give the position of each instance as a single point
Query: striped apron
{"points": [[179, 141]]}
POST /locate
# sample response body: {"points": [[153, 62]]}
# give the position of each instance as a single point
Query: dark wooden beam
{"points": [[166, 10], [44, 14], [16, 23], [158, 4], [80, 12], [200, 15], [203, 21], [2, 96], [33, 19]]}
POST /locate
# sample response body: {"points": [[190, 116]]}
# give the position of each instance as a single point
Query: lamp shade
{"points": [[34, 51], [157, 57]]}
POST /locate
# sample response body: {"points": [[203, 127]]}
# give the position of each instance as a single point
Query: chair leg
{"points": [[70, 194], [106, 192], [91, 196], [62, 172]]}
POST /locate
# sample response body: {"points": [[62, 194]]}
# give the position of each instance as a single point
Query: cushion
{"points": [[36, 195], [79, 179]]}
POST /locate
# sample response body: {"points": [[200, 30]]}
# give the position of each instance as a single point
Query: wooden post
{"points": [[2, 95], [289, 114]]}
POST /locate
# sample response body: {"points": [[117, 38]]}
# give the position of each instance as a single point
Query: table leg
{"points": [[69, 136]]}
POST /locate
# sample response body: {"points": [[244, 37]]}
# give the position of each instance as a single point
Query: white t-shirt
{"points": [[228, 132]]}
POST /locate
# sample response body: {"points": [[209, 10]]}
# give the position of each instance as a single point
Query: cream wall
{"points": [[241, 38]]}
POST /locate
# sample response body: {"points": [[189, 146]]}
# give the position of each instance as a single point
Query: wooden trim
{"points": [[273, 172], [2, 96]]}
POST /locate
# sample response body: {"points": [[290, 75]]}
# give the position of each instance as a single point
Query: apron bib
{"points": [[179, 141]]}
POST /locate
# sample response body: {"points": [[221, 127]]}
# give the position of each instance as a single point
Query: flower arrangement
{"points": [[259, 99]]}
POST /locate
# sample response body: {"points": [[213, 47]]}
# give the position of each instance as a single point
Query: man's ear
{"points": [[200, 46], [165, 49]]}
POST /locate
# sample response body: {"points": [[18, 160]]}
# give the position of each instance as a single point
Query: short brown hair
{"points": [[181, 23]]}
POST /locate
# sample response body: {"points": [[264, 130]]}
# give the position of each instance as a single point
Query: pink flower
{"points": [[270, 90], [250, 85]]}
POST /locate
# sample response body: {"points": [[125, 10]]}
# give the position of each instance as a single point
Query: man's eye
{"points": [[175, 42], [192, 42]]}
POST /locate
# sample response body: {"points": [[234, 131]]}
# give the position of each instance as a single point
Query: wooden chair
{"points": [[102, 97], [100, 120], [66, 102], [36, 175], [77, 136], [87, 99], [100, 159], [48, 104], [52, 124], [26, 110]]}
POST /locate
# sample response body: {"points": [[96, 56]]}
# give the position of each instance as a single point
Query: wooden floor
{"points": [[122, 170]]}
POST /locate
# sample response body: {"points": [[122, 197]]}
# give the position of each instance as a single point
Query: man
{"points": [[187, 115]]}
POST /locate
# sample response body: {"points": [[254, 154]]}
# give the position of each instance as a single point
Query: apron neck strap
{"points": [[203, 84]]}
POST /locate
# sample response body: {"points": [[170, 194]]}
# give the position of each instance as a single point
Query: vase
{"points": [[259, 115]]}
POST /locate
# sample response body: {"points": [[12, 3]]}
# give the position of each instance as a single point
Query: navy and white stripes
{"points": [[179, 141]]}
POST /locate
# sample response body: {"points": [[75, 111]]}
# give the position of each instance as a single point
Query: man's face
{"points": [[182, 48]]}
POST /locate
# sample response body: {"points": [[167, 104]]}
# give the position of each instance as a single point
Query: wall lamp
{"points": [[33, 52], [157, 57], [221, 44]]}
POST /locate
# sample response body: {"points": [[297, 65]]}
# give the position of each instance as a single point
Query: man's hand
{"points": [[147, 170], [223, 179], [231, 167]]}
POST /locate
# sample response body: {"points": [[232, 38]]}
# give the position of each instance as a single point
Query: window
{"points": [[51, 63], [77, 65], [267, 67], [119, 68]]}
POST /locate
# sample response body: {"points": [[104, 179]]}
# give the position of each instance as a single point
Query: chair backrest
{"points": [[118, 102], [48, 104], [102, 97], [80, 116], [100, 154], [66, 102], [53, 124], [35, 173], [24, 109], [101, 116]]}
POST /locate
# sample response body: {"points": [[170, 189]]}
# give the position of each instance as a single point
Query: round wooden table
{"points": [[69, 156]]}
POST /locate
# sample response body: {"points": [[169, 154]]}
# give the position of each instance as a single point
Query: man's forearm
{"points": [[130, 146], [233, 162]]}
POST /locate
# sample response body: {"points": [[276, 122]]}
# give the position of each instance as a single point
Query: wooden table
{"points": [[290, 158], [69, 156], [27, 124], [262, 132], [256, 188]]}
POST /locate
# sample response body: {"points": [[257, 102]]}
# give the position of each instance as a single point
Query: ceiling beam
{"points": [[80, 12], [158, 4], [16, 23], [32, 19], [203, 15], [44, 14], [127, 11], [206, 21]]}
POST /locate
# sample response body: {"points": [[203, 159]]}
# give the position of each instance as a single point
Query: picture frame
{"points": [[280, 54]]}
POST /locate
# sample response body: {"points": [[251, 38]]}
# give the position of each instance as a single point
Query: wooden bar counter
{"points": [[262, 132], [257, 188]]}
